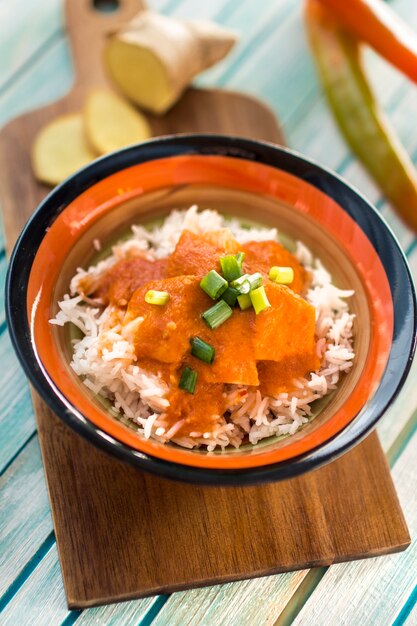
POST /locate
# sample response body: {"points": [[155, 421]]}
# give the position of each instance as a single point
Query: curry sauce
{"points": [[268, 350]]}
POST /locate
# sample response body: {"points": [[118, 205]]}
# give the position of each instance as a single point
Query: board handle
{"points": [[88, 22]]}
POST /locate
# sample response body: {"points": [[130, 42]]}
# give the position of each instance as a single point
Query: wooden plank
{"points": [[17, 422], [263, 601], [35, 87], [1, 234], [29, 25], [3, 270], [255, 602], [205, 10], [410, 611], [239, 598], [399, 414], [258, 28], [25, 521], [303, 134], [367, 592], [29, 606], [41, 601], [126, 614]]}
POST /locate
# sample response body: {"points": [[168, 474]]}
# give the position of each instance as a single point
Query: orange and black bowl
{"points": [[249, 180]]}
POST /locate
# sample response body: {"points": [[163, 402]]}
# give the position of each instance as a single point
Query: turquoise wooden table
{"points": [[271, 61]]}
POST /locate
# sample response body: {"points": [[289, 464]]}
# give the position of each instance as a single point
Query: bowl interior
{"points": [[252, 193]]}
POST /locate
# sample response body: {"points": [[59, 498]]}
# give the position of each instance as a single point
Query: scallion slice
{"points": [[231, 269], [242, 284], [230, 296], [202, 350], [255, 280], [217, 314], [247, 282], [156, 297], [188, 380], [281, 275], [240, 258], [259, 299], [213, 284], [244, 301]]}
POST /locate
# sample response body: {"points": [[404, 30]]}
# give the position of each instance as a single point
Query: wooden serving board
{"points": [[122, 533]]}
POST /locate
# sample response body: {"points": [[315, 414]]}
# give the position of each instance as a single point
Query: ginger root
{"points": [[110, 123], [72, 140], [60, 149], [153, 58]]}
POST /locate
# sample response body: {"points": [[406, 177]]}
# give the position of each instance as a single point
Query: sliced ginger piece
{"points": [[60, 149], [154, 57], [111, 123]]}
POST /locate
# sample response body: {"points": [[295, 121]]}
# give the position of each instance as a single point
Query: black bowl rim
{"points": [[350, 199]]}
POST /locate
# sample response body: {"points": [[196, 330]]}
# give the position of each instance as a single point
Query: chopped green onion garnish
{"points": [[218, 314], [242, 284], [213, 284], [240, 257], [244, 301], [230, 296], [188, 380], [202, 350], [255, 280], [247, 282], [156, 297], [259, 299], [231, 269], [281, 275]]}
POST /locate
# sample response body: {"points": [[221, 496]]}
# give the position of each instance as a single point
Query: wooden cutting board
{"points": [[124, 534]]}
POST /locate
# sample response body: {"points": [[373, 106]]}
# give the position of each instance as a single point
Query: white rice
{"points": [[139, 398]]}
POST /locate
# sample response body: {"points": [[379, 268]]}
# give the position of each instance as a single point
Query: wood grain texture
{"points": [[390, 584], [16, 413], [41, 602], [29, 27], [109, 502], [253, 602], [410, 617], [3, 270], [17, 486], [28, 607], [254, 586]]}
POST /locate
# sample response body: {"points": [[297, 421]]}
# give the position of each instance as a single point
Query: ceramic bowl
{"points": [[250, 180]]}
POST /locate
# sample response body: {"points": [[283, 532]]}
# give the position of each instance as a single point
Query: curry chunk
{"points": [[234, 361], [165, 331], [198, 254], [117, 284], [285, 329], [260, 256]]}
